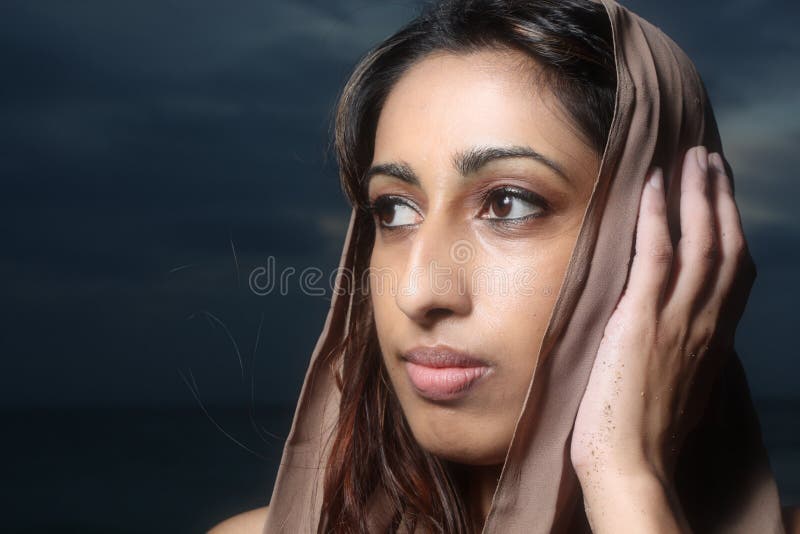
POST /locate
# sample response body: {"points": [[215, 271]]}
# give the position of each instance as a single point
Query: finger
{"points": [[697, 251], [652, 260], [736, 269], [733, 247]]}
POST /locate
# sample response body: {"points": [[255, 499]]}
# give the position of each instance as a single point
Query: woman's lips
{"points": [[442, 373]]}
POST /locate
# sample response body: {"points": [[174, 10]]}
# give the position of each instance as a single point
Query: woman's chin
{"points": [[472, 457], [481, 447]]}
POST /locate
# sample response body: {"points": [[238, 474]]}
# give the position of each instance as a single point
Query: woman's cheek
{"points": [[522, 311]]}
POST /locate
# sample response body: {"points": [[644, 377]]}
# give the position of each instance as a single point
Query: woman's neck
{"points": [[478, 483]]}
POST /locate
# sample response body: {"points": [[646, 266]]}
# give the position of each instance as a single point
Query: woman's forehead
{"points": [[448, 104]]}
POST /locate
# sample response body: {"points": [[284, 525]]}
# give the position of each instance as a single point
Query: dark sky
{"points": [[153, 153]]}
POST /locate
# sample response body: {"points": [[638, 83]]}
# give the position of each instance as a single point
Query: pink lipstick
{"points": [[442, 373]]}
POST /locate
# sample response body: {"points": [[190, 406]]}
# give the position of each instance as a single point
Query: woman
{"points": [[540, 286]]}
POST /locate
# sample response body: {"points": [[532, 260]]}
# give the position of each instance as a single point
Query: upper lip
{"points": [[440, 356]]}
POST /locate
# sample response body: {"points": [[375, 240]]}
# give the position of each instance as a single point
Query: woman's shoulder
{"points": [[250, 522], [791, 519]]}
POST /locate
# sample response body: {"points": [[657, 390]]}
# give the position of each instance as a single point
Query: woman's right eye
{"points": [[393, 212]]}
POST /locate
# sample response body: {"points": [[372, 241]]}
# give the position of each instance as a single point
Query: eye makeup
{"points": [[502, 204]]}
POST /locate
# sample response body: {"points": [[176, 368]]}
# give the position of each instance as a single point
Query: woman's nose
{"points": [[435, 284]]}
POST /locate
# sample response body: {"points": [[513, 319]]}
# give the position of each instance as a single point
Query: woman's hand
{"points": [[660, 350]]}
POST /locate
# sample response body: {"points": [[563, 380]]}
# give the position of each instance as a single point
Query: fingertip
{"points": [[701, 153], [656, 179], [718, 164], [655, 186]]}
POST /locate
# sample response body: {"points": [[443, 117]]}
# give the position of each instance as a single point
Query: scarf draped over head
{"points": [[723, 475]]}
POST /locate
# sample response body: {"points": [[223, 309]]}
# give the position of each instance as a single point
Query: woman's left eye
{"points": [[511, 204]]}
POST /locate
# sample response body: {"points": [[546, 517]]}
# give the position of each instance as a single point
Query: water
{"points": [[134, 470], [170, 470]]}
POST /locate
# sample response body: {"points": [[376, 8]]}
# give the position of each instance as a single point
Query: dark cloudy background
{"points": [[154, 152]]}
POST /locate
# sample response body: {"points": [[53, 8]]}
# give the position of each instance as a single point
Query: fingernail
{"points": [[702, 157], [716, 161], [656, 180]]}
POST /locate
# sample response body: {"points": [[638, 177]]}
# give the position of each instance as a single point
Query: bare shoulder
{"points": [[791, 519], [250, 522]]}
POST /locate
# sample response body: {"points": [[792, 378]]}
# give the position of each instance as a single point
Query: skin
{"points": [[638, 389], [446, 104]]}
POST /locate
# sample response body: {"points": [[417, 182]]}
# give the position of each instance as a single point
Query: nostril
{"points": [[433, 316], [438, 313]]}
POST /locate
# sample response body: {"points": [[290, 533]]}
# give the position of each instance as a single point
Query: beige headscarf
{"points": [[724, 478]]}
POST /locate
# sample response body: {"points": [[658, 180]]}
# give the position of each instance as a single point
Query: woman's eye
{"points": [[392, 212], [512, 204]]}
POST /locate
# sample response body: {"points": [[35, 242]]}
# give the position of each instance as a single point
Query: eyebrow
{"points": [[468, 162]]}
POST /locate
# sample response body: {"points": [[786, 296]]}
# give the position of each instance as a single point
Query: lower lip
{"points": [[443, 383]]}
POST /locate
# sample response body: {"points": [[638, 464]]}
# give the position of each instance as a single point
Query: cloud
{"points": [[761, 140], [143, 136]]}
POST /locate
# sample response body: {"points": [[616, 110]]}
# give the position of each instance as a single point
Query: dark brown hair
{"points": [[373, 447]]}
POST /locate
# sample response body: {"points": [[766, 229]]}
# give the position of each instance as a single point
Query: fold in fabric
{"points": [[723, 476]]}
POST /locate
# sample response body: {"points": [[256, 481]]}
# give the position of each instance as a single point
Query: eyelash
{"points": [[523, 194]]}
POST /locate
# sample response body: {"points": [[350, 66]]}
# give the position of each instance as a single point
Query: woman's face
{"points": [[479, 186]]}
